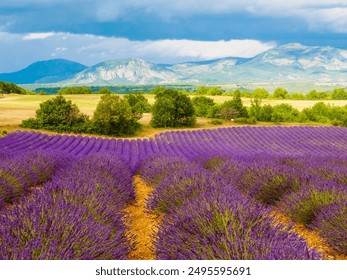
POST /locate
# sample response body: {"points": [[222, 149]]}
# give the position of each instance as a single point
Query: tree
{"points": [[114, 116], [202, 104], [255, 108], [261, 93], [265, 114], [214, 91], [75, 90], [58, 114], [319, 110], [138, 102], [201, 90], [280, 93], [313, 94], [339, 94], [236, 103], [285, 113], [228, 114], [297, 96], [172, 109], [104, 90]]}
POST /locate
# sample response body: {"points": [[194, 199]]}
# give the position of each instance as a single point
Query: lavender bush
{"points": [[302, 206], [331, 223], [179, 188], [22, 171], [227, 225], [78, 215]]}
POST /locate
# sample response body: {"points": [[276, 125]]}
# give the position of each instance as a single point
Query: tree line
{"points": [[278, 93], [118, 116]]}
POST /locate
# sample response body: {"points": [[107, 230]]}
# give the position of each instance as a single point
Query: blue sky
{"points": [[162, 31]]}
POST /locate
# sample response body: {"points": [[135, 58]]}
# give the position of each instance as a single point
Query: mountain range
{"points": [[287, 63]]}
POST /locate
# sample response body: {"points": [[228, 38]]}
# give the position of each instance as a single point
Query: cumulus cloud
{"points": [[91, 49]]}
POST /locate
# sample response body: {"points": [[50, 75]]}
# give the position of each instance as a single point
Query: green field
{"points": [[15, 108]]}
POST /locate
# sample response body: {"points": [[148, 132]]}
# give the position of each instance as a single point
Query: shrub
{"points": [[216, 122], [251, 120]]}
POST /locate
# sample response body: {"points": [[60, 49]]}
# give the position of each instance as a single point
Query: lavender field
{"points": [[230, 193]]}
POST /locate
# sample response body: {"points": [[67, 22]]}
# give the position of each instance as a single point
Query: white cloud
{"points": [[202, 50], [38, 36], [330, 18], [18, 52]]}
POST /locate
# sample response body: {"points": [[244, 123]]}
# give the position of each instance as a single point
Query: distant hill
{"points": [[287, 63], [48, 71], [125, 71]]}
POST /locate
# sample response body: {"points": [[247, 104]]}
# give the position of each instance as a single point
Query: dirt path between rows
{"points": [[142, 225], [313, 239]]}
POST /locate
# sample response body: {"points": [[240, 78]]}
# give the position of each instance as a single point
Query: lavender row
{"points": [[78, 215], [209, 218], [233, 141], [311, 190], [20, 172]]}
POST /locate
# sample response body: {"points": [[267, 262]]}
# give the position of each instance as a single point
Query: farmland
{"points": [[228, 193]]}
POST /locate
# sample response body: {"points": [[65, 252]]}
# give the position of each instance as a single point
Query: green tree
{"points": [[58, 114], [114, 116], [236, 103], [319, 112], [138, 102], [285, 113], [74, 90], [297, 96], [315, 95], [201, 90], [104, 91], [202, 105], [339, 94], [214, 91], [261, 93], [265, 114], [280, 93], [172, 109], [255, 109]]}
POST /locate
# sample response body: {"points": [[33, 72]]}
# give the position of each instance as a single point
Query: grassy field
{"points": [[15, 108]]}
